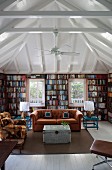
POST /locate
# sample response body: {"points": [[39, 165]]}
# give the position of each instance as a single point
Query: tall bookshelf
{"points": [[57, 91], [110, 97], [97, 92], [16, 92], [2, 92]]}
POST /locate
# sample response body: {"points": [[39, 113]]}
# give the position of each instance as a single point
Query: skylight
{"points": [[3, 36], [107, 35]]}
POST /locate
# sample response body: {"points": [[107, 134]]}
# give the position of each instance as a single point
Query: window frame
{"points": [[76, 104], [43, 96]]}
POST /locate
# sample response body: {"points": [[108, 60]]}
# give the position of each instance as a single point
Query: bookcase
{"points": [[109, 102], [57, 91], [97, 92], [2, 92], [16, 92], [13, 90]]}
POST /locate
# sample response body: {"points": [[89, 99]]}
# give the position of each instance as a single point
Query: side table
{"points": [[90, 122]]}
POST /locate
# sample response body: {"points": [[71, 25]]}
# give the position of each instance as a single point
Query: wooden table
{"points": [[6, 148]]}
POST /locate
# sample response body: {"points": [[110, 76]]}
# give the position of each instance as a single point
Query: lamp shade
{"points": [[88, 105], [24, 106]]}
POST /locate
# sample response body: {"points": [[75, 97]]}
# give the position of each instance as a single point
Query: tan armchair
{"points": [[10, 128]]}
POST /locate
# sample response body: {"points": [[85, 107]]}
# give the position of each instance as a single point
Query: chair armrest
{"points": [[78, 115], [19, 122], [34, 116]]}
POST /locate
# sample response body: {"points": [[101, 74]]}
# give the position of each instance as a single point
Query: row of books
{"points": [[109, 89], [97, 82], [2, 89], [16, 77], [2, 102], [16, 90], [16, 83], [15, 95], [2, 108], [96, 76], [51, 87], [2, 95], [51, 82], [2, 82]]}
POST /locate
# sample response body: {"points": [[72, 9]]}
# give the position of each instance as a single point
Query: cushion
{"points": [[6, 121], [48, 115], [65, 115]]}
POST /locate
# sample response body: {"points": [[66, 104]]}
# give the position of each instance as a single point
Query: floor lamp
{"points": [[24, 107]]}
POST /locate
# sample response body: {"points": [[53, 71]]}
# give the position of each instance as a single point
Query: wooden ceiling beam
{"points": [[55, 14], [51, 30]]}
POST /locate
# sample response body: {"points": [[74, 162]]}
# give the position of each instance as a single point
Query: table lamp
{"points": [[89, 108], [24, 107]]}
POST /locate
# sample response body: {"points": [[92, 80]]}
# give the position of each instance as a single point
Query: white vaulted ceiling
{"points": [[29, 30]]}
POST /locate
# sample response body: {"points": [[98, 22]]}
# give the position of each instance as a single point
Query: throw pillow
{"points": [[6, 121], [48, 115], [65, 115]]}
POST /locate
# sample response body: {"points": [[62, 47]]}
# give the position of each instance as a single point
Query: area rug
{"points": [[80, 143]]}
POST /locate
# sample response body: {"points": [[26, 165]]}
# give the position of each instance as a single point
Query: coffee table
{"points": [[56, 134], [6, 148]]}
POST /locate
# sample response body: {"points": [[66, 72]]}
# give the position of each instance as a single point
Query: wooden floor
{"points": [[62, 161]]}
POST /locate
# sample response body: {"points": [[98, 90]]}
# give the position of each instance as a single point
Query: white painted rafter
{"points": [[7, 3], [92, 20], [17, 21], [66, 5], [97, 23], [74, 48], [9, 50], [16, 65], [28, 60], [108, 56], [94, 51], [105, 3], [51, 30], [57, 14], [11, 42], [17, 51], [7, 60], [42, 54]]}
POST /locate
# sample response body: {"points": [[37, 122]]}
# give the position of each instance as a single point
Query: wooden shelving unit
{"points": [[16, 92], [97, 92], [57, 91], [2, 92], [13, 90], [109, 97]]}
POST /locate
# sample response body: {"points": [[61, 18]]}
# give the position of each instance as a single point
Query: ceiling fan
{"points": [[56, 50]]}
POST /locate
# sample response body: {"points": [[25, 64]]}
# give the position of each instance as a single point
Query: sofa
{"points": [[39, 119]]}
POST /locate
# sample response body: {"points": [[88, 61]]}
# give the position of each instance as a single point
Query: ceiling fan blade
{"points": [[42, 49], [70, 53]]}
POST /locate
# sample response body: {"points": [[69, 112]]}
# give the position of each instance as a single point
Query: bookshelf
{"points": [[2, 93], [13, 90], [97, 92], [16, 92], [110, 97], [57, 91]]}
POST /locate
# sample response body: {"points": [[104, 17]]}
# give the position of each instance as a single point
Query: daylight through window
{"points": [[77, 92], [37, 92]]}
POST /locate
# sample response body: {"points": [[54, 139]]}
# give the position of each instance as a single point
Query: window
{"points": [[77, 92], [37, 92]]}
